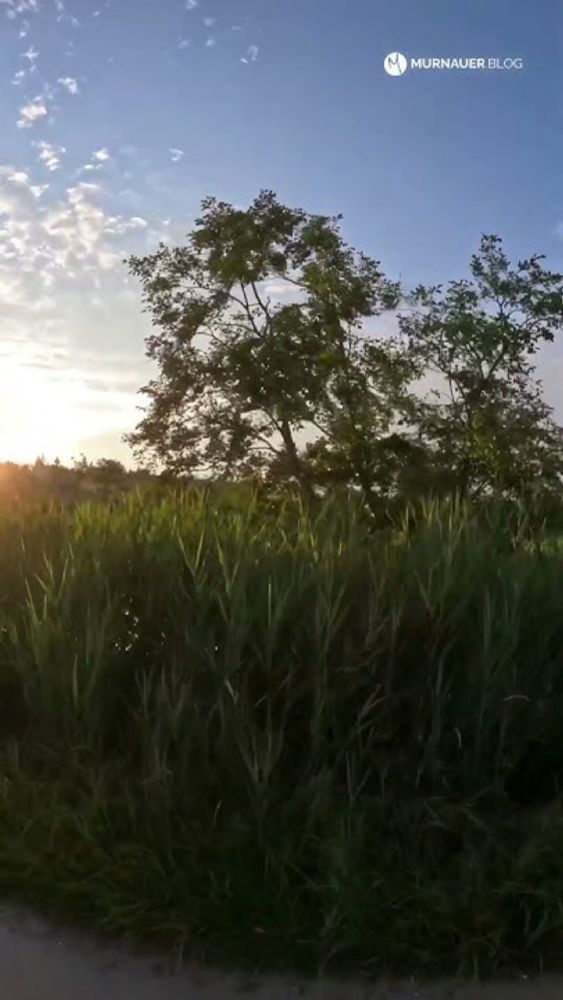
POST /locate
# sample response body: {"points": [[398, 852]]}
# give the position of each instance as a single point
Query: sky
{"points": [[118, 117]]}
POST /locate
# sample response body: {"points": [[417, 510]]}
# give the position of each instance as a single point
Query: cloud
{"points": [[209, 21], [32, 112], [50, 155], [16, 196], [69, 83], [66, 248], [64, 375], [73, 234], [184, 43], [281, 290], [99, 158], [15, 7], [18, 77], [16, 189], [251, 54], [191, 4], [176, 154], [210, 43], [116, 225], [31, 54], [63, 294], [71, 20]]}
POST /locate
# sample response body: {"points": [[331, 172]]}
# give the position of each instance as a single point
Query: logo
{"points": [[395, 64]]}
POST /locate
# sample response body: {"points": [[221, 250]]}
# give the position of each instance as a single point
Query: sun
{"points": [[38, 415]]}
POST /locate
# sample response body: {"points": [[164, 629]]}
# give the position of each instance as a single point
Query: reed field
{"points": [[261, 735]]}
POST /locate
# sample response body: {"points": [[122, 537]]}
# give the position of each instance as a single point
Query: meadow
{"points": [[273, 737]]}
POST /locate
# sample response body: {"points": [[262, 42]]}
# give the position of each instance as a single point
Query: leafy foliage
{"points": [[300, 389], [495, 434], [242, 377]]}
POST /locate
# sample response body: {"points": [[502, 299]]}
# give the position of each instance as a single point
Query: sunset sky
{"points": [[118, 116]]}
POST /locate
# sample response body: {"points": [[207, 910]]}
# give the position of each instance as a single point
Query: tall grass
{"points": [[265, 736]]}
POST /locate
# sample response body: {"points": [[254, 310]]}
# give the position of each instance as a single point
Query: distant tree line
{"points": [[45, 481]]}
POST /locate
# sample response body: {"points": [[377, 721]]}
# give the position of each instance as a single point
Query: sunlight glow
{"points": [[43, 412]]}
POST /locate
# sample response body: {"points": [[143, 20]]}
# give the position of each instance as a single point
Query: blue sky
{"points": [[118, 116]]}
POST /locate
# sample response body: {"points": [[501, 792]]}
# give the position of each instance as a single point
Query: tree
{"points": [[265, 367], [495, 434], [110, 469], [81, 465]]}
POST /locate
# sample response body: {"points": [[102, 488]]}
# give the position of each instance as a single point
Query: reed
{"points": [[263, 735]]}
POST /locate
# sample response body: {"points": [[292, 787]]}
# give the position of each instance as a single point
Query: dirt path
{"points": [[38, 964]]}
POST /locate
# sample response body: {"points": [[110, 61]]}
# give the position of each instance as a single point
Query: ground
{"points": [[39, 963]]}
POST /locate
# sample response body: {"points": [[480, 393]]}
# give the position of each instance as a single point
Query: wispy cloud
{"points": [[191, 4], [210, 43], [70, 236], [251, 54], [117, 225], [69, 83], [99, 158], [50, 155], [70, 19], [15, 7], [18, 77], [209, 21], [31, 54], [176, 154], [32, 112], [184, 43], [55, 245]]}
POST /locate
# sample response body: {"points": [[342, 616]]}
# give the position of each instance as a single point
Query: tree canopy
{"points": [[274, 361], [495, 434]]}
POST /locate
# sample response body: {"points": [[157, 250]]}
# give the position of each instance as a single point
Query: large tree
{"points": [[265, 364], [494, 434]]}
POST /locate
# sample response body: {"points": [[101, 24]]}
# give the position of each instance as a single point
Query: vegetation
{"points": [[271, 364], [45, 482], [270, 737], [297, 700]]}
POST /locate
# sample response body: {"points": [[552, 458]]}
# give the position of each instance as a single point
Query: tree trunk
{"points": [[296, 464]]}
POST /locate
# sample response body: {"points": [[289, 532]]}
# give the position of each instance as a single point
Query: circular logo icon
{"points": [[395, 64]]}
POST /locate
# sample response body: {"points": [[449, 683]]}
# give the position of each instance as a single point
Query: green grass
{"points": [[279, 739]]}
